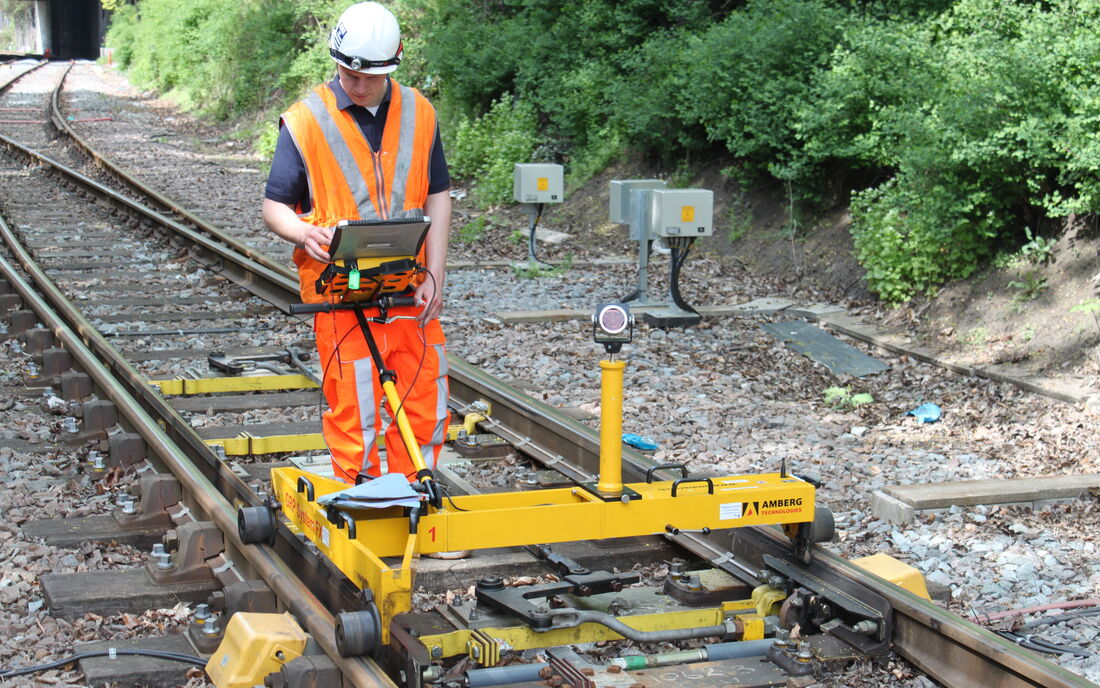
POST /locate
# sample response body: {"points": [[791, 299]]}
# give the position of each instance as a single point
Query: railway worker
{"points": [[361, 146]]}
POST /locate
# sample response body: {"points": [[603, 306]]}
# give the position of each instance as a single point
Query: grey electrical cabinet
{"points": [[681, 213], [623, 211], [538, 183]]}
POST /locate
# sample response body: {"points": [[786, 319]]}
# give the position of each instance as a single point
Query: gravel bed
{"points": [[54, 482], [725, 396]]}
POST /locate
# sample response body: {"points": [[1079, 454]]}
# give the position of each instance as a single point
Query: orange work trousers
{"points": [[354, 394]]}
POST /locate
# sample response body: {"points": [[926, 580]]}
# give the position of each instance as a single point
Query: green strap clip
{"points": [[353, 278]]}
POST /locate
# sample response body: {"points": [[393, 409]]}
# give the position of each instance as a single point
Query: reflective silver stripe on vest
{"points": [[302, 156], [344, 159], [404, 152]]}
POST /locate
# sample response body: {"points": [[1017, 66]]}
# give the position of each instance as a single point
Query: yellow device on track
{"points": [[377, 548]]}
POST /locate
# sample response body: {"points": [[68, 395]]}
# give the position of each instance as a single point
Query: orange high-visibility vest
{"points": [[350, 181]]}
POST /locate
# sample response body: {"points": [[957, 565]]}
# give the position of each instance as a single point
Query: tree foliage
{"points": [[16, 22], [955, 123]]}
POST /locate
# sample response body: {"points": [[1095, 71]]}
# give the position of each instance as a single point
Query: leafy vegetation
{"points": [[1029, 287], [958, 127], [1090, 306], [16, 23], [486, 149], [533, 270], [842, 397]]}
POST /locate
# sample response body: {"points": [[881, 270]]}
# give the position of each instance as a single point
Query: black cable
{"points": [[679, 255], [447, 494], [423, 352], [324, 377], [1055, 648], [532, 244], [1060, 618], [1037, 644], [635, 294], [336, 350], [160, 654]]}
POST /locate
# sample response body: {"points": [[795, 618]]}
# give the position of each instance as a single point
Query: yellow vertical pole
{"points": [[403, 426], [611, 429]]}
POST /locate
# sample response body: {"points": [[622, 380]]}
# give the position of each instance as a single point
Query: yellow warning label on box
{"points": [[687, 213], [544, 183]]}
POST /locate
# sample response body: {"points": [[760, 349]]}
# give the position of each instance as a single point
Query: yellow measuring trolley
{"points": [[377, 548]]}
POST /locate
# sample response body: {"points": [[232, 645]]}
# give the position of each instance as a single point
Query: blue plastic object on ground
{"points": [[639, 442], [926, 413]]}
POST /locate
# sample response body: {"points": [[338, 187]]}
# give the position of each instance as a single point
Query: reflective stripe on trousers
{"points": [[354, 394]]}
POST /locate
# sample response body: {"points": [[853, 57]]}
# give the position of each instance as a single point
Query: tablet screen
{"points": [[378, 238]]}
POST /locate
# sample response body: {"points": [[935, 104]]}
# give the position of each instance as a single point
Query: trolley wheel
{"points": [[359, 633], [805, 535], [823, 527], [256, 525]]}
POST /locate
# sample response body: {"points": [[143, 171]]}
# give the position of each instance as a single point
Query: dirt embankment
{"points": [[1036, 308]]}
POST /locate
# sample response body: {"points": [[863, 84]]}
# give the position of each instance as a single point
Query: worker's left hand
{"points": [[430, 300]]}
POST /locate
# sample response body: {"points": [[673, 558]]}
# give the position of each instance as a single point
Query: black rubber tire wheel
{"points": [[824, 527], [256, 525], [359, 633]]}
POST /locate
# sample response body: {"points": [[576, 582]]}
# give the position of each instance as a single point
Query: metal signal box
{"points": [[538, 183], [681, 213], [623, 211]]}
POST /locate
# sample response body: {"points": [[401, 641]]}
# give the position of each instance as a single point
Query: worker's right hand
{"points": [[316, 242]]}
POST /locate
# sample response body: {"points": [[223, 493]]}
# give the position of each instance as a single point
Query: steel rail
{"points": [[86, 346], [264, 282], [4, 85], [949, 648], [167, 203], [946, 646]]}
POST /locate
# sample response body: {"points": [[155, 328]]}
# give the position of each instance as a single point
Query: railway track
{"points": [[64, 229]]}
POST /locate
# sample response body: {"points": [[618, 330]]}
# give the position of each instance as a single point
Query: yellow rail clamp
{"points": [[483, 649], [897, 572], [254, 646], [248, 445], [452, 431], [767, 599], [221, 385]]}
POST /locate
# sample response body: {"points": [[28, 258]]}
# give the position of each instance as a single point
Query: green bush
{"points": [[750, 77], [912, 234], [121, 35], [15, 13], [484, 150], [230, 58], [222, 57], [649, 100]]}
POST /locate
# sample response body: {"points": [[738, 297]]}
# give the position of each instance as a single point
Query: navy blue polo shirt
{"points": [[287, 181]]}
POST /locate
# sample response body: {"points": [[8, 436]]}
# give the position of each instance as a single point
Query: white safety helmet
{"points": [[367, 39]]}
